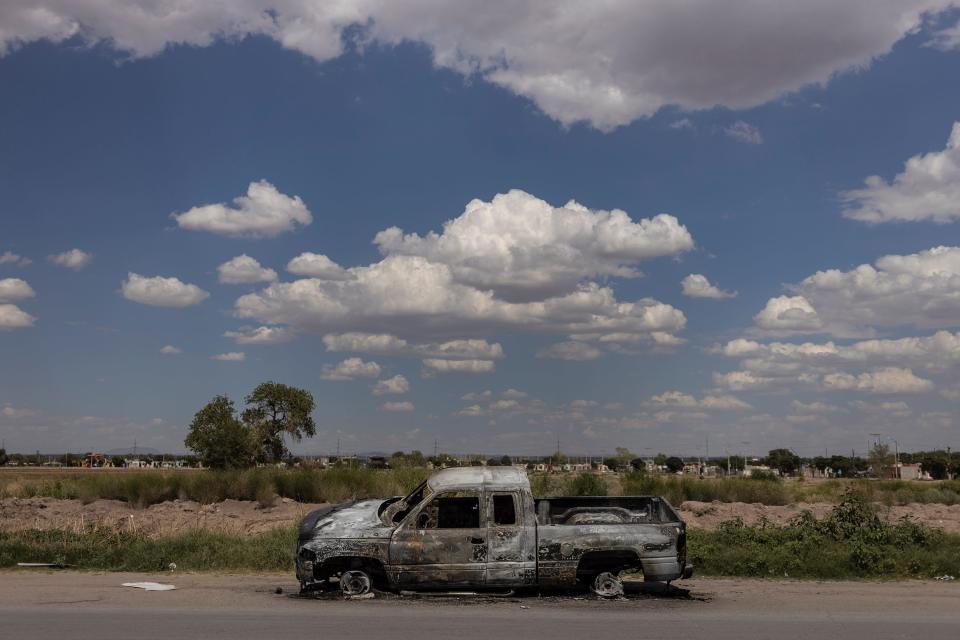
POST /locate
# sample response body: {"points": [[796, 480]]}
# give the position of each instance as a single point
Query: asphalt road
{"points": [[84, 605]]}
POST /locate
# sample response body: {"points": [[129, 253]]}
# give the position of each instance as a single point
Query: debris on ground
{"points": [[945, 578], [150, 586]]}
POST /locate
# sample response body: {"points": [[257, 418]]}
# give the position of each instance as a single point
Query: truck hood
{"points": [[345, 520]]}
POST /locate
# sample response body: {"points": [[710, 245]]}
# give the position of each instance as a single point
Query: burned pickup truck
{"points": [[481, 528]]}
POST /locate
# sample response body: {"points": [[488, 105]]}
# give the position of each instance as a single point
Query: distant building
{"points": [[750, 469], [912, 472]]}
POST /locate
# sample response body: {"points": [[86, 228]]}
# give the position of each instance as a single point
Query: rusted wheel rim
{"points": [[607, 585], [354, 583]]}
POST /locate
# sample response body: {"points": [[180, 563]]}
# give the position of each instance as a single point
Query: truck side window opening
{"points": [[504, 509], [460, 510]]}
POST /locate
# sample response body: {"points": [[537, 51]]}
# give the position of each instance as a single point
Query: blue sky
{"points": [[526, 318]]}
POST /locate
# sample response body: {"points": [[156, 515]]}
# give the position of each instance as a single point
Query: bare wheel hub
{"points": [[607, 585], [354, 583]]}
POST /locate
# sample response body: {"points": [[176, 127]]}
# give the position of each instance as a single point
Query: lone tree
{"points": [[783, 460], [219, 438], [674, 464], [275, 410]]}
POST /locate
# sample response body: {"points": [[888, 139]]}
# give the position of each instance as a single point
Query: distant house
{"points": [[750, 469], [912, 472]]}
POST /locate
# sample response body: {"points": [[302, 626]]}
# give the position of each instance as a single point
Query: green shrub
{"points": [[195, 550], [850, 542], [586, 484]]}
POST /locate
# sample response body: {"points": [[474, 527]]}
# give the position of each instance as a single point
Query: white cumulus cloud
{"points": [[170, 350], [398, 407], [788, 314], [920, 289], [244, 270], [816, 406], [14, 289], [161, 292], [570, 350], [868, 365], [260, 335], [678, 399], [696, 285], [9, 257], [351, 369], [263, 212], [315, 265], [396, 385], [387, 344], [434, 366], [523, 249], [13, 317], [888, 380], [928, 188], [230, 356], [410, 296], [75, 259], [744, 132]]}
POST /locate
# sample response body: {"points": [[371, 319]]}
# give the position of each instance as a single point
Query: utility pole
{"points": [[896, 457], [434, 448]]}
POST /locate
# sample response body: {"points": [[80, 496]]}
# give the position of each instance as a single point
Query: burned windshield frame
{"points": [[415, 497]]}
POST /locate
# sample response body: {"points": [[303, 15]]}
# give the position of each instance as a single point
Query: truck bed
{"points": [[576, 510]]}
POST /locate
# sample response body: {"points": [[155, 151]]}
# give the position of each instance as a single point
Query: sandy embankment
{"points": [[707, 515], [233, 516], [165, 518]]}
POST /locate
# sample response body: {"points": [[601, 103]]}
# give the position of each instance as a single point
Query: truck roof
{"points": [[483, 477]]}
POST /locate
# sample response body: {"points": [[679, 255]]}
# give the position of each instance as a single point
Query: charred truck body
{"points": [[481, 527]]}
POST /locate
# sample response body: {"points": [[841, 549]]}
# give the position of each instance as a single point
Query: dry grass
{"points": [[146, 487]]}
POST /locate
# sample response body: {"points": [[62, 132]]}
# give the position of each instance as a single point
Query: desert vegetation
{"points": [[852, 541], [306, 484]]}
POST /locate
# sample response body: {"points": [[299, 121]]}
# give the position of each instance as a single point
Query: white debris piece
{"points": [[150, 586]]}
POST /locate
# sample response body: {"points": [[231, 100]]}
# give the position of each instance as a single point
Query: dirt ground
{"points": [[707, 515], [166, 518], [238, 517]]}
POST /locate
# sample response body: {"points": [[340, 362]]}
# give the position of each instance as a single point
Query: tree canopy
{"points": [[674, 464], [220, 439], [783, 460], [224, 440], [274, 410]]}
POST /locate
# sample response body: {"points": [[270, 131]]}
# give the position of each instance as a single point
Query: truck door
{"points": [[510, 555], [444, 544]]}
